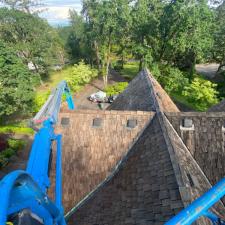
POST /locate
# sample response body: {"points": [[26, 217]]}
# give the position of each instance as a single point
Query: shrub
{"points": [[39, 100], [9, 152], [79, 75], [155, 71], [201, 92], [3, 160], [116, 88], [171, 78], [117, 65], [16, 144], [13, 146]]}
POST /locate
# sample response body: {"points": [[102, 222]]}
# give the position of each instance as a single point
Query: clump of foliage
{"points": [[13, 146], [16, 128], [171, 78], [116, 88], [16, 144], [79, 75], [197, 93], [10, 129], [201, 92], [16, 83], [39, 100], [35, 41]]}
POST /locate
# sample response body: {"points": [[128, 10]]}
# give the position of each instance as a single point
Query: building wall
{"points": [[89, 152], [205, 140]]}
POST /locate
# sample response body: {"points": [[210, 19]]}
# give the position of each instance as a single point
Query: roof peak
{"points": [[141, 93]]}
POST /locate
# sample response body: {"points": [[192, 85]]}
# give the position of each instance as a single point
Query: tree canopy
{"points": [[178, 33], [16, 83], [32, 37]]}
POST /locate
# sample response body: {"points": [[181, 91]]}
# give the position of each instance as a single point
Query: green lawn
{"points": [[16, 128], [130, 70], [53, 79]]}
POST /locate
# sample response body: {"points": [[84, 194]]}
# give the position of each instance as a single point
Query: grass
{"points": [[16, 128], [52, 80], [130, 70]]}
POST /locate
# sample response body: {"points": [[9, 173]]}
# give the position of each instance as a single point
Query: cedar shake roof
{"points": [[142, 165], [138, 95], [219, 107]]}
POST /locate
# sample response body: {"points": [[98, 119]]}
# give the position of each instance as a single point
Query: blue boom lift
{"points": [[23, 194]]}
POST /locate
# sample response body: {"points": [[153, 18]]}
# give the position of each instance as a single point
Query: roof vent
{"points": [[65, 122], [132, 123], [97, 122], [187, 124]]}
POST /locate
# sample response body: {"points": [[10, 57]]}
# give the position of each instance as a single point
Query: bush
{"points": [[9, 152], [39, 100], [201, 92], [79, 75], [116, 88], [3, 160], [171, 78], [16, 144], [13, 146], [118, 65]]}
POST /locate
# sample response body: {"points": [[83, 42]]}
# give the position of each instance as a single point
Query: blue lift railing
{"points": [[21, 190], [201, 207]]}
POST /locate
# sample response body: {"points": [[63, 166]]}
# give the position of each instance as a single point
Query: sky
{"points": [[57, 11]]}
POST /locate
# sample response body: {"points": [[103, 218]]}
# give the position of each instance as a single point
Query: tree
{"points": [[105, 23], [32, 37], [145, 30], [77, 41], [16, 83], [27, 6], [219, 36], [185, 32]]}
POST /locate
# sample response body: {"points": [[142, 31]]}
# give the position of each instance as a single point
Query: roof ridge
{"points": [[160, 114]]}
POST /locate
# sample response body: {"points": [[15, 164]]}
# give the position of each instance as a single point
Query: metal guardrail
{"points": [[200, 207]]}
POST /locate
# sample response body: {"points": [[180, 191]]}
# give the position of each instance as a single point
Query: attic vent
{"points": [[131, 123], [65, 122], [187, 124], [97, 122]]}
